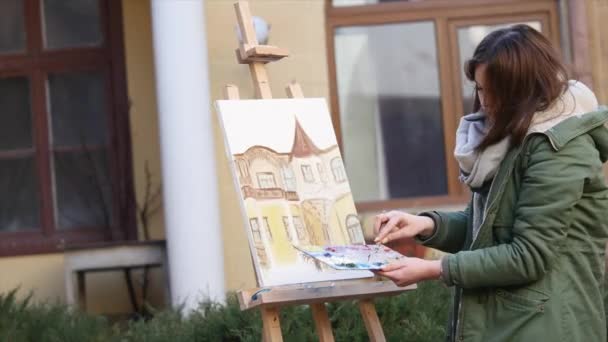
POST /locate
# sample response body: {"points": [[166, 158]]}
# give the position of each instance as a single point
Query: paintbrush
{"points": [[378, 244], [373, 251]]}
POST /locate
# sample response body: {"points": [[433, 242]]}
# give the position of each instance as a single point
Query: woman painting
{"points": [[526, 257]]}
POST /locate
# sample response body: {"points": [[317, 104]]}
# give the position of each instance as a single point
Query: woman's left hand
{"points": [[409, 271]]}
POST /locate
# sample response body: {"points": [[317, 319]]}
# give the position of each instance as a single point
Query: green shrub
{"points": [[419, 316], [412, 316], [22, 320]]}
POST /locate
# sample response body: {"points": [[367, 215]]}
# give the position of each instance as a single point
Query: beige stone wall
{"points": [[139, 57], [42, 275], [597, 12]]}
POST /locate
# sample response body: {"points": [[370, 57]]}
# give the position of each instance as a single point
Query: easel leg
{"points": [[372, 322], [271, 325], [322, 323]]}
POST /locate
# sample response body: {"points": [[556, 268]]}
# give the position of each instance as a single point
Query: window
{"points": [[65, 170], [326, 236], [266, 180], [307, 173], [341, 3], [353, 226], [255, 230], [398, 90], [267, 229], [322, 173], [299, 226], [337, 169], [288, 178], [287, 229], [243, 168]]}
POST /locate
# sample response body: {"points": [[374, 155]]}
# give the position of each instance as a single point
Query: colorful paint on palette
{"points": [[352, 257]]}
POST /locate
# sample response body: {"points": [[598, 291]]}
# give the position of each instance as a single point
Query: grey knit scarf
{"points": [[477, 167]]}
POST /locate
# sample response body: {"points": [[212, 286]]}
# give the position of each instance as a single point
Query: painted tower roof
{"points": [[302, 144]]}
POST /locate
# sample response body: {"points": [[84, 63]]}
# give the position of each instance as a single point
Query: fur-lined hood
{"points": [[576, 101]]}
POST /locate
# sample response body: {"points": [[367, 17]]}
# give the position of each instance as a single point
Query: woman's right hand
{"points": [[395, 225]]}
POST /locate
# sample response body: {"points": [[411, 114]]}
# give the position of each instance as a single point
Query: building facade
{"points": [[343, 50], [296, 197]]}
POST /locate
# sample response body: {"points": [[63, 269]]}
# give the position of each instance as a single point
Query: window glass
{"points": [[267, 229], [266, 180], [77, 102], [16, 127], [255, 230], [337, 169], [19, 194], [289, 179], [287, 228], [307, 173], [12, 29], [82, 189], [71, 23], [390, 110], [353, 226], [19, 198], [299, 226]]}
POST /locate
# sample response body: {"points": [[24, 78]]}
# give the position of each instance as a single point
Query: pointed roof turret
{"points": [[302, 144]]}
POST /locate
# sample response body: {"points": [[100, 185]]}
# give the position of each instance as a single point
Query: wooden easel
{"points": [[269, 300]]}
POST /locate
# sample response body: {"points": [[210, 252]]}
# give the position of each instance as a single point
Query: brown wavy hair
{"points": [[524, 74]]}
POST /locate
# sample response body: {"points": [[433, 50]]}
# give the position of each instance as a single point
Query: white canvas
{"points": [[292, 185]]}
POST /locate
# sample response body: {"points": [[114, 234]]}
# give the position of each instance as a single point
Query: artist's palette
{"points": [[353, 257]]}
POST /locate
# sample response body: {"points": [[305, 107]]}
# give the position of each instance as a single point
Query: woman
{"points": [[527, 255]]}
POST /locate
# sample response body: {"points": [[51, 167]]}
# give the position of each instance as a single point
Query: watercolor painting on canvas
{"points": [[292, 185]]}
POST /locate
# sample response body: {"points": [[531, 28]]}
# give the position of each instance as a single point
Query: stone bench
{"points": [[113, 256]]}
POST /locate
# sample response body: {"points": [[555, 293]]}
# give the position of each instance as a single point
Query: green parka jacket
{"points": [[535, 271]]}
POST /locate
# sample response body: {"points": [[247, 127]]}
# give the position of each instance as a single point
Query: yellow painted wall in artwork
{"points": [[313, 224], [342, 208], [282, 251], [339, 236], [278, 243]]}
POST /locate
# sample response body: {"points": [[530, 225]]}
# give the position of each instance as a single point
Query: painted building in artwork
{"points": [[299, 197]]}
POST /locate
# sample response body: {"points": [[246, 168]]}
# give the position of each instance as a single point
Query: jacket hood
{"points": [[576, 101], [575, 113]]}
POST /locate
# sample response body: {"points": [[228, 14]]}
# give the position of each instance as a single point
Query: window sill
{"points": [[14, 244], [414, 204]]}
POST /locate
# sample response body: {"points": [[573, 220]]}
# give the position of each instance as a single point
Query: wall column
{"points": [[191, 202]]}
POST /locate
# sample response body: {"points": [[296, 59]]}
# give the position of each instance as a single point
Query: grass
{"points": [[413, 316]]}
